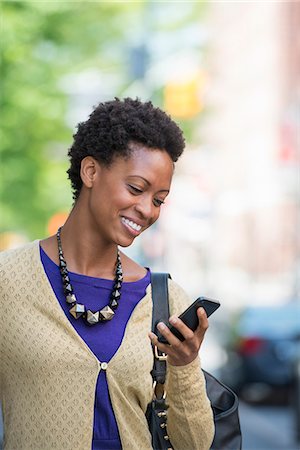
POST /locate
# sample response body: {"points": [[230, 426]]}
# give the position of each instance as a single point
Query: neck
{"points": [[84, 250]]}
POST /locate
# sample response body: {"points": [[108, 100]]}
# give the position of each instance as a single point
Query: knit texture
{"points": [[49, 375]]}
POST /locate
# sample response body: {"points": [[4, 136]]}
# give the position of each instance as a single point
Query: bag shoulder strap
{"points": [[160, 312], [160, 298]]}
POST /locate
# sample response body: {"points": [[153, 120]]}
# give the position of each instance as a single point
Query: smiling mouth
{"points": [[134, 226]]}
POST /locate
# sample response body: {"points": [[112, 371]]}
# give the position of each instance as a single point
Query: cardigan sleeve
{"points": [[190, 417]]}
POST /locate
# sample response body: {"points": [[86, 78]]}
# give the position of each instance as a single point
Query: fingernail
{"points": [[161, 326], [173, 320]]}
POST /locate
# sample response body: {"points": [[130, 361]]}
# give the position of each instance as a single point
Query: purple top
{"points": [[103, 339]]}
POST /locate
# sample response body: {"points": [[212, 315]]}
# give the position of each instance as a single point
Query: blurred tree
{"points": [[31, 108], [46, 47], [40, 43]]}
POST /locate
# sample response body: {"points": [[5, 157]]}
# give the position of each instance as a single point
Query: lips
{"points": [[133, 226]]}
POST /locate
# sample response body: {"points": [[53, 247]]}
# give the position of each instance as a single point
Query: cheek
{"points": [[122, 202], [155, 216]]}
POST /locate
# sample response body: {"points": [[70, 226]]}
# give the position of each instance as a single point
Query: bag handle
{"points": [[160, 312]]}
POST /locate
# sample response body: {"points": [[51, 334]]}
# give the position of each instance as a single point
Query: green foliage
{"points": [[43, 43], [31, 108]]}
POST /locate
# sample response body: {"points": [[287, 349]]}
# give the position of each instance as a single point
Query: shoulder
{"points": [[16, 268], [132, 271], [179, 300], [16, 256]]}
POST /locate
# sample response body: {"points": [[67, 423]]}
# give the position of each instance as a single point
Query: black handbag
{"points": [[223, 400]]}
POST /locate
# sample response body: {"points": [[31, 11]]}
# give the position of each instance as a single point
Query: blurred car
{"points": [[262, 353]]}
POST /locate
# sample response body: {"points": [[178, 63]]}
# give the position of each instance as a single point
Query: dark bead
{"points": [[77, 310], [107, 313], [92, 317], [113, 304], [116, 294], [70, 298]]}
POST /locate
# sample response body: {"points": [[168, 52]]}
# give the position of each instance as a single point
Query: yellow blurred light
{"points": [[183, 99], [56, 221]]}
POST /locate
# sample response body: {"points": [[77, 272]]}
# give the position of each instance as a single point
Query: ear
{"points": [[88, 171]]}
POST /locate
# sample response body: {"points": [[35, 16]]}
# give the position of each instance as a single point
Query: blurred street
{"points": [[267, 427]]}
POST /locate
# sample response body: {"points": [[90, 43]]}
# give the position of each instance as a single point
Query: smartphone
{"points": [[190, 318]]}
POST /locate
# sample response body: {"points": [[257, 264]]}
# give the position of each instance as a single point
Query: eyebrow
{"points": [[147, 182]]}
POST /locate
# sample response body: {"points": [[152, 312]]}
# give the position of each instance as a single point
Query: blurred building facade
{"points": [[233, 223]]}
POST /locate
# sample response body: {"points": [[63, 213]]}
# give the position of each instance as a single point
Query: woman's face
{"points": [[125, 198]]}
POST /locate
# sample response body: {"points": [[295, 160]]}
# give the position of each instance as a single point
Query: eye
{"points": [[135, 189], [157, 202]]}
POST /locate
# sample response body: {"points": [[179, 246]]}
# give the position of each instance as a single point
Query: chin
{"points": [[125, 242]]}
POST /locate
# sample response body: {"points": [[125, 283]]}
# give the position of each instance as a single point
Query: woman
{"points": [[76, 311]]}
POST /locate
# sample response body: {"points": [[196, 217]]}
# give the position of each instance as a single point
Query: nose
{"points": [[146, 209]]}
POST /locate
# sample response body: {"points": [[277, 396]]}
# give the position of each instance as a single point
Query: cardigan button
{"points": [[103, 366]]}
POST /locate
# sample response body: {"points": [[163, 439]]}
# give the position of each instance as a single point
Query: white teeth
{"points": [[133, 225]]}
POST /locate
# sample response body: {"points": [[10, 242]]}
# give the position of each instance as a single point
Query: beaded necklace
{"points": [[79, 310]]}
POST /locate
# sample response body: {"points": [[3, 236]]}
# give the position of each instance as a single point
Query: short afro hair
{"points": [[113, 126]]}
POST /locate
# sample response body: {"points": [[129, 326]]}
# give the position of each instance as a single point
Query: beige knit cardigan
{"points": [[49, 375]]}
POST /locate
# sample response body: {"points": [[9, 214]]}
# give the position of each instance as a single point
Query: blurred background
{"points": [[229, 74]]}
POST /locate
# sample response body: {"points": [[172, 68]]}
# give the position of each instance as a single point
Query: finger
{"points": [[155, 342], [152, 337], [167, 334], [186, 332], [203, 320]]}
